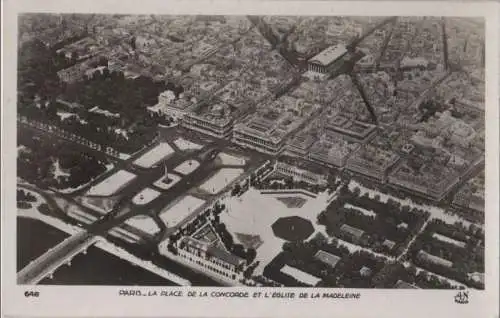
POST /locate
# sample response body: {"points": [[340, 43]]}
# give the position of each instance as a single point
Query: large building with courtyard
{"points": [[430, 182], [372, 162], [260, 134], [350, 130], [215, 120]]}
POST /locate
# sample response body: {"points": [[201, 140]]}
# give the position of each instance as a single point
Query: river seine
{"points": [[97, 267]]}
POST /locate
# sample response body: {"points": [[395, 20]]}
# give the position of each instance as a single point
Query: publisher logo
{"points": [[462, 297]]}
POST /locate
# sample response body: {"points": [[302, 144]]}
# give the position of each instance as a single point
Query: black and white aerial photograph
{"points": [[251, 151]]}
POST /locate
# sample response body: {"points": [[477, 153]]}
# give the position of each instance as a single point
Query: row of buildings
{"points": [[221, 99], [301, 172], [341, 142]]}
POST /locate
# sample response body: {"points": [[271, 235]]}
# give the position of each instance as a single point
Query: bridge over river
{"points": [[61, 254]]}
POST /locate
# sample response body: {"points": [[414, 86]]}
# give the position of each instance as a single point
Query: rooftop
{"points": [[301, 276], [276, 119], [389, 244], [352, 230], [212, 250], [327, 258], [302, 141], [350, 127], [329, 55], [434, 259], [225, 256], [375, 156], [333, 147], [303, 164], [365, 271], [192, 242], [401, 284], [217, 113]]}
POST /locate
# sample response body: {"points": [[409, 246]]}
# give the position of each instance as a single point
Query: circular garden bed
{"points": [[293, 228]]}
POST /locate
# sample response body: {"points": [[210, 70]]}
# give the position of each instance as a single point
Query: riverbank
{"points": [[34, 214]]}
